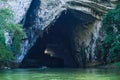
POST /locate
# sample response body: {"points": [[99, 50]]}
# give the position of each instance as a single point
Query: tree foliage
{"points": [[111, 25], [7, 53]]}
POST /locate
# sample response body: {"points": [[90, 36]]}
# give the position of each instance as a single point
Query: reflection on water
{"points": [[60, 74]]}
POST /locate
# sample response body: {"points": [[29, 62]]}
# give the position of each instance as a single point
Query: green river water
{"points": [[60, 74]]}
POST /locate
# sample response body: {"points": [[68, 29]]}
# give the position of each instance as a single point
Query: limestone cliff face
{"points": [[63, 32], [63, 28], [19, 8]]}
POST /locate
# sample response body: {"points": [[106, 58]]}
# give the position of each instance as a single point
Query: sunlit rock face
{"points": [[8, 38], [19, 8]]}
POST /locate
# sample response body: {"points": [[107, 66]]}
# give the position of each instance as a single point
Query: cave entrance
{"points": [[54, 48]]}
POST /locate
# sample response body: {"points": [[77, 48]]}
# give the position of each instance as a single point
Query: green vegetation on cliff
{"points": [[111, 44], [8, 52]]}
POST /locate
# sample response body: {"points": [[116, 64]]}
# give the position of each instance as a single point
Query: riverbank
{"points": [[111, 65], [13, 65], [8, 65]]}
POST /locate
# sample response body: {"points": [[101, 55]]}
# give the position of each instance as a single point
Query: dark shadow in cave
{"points": [[54, 49]]}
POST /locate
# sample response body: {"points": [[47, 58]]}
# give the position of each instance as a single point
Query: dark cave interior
{"points": [[54, 48]]}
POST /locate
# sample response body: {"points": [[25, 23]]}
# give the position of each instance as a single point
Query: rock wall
{"points": [[38, 17], [19, 8], [47, 23], [81, 36]]}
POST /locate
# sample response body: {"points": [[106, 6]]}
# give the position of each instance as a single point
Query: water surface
{"points": [[60, 74]]}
